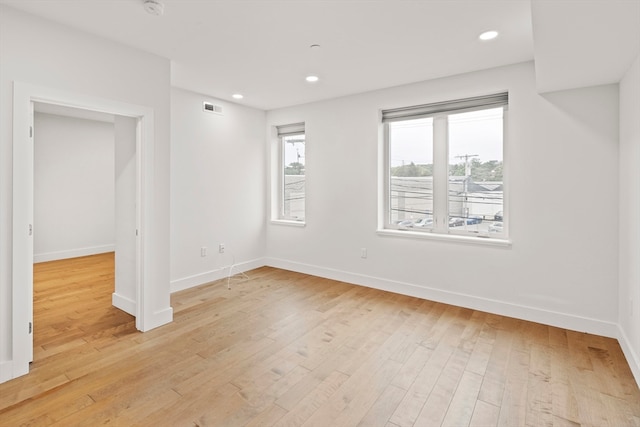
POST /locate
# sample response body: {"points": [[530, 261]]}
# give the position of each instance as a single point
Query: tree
{"points": [[480, 171], [295, 168], [412, 170]]}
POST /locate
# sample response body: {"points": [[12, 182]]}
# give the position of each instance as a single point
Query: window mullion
{"points": [[440, 174], [282, 178], [387, 176]]}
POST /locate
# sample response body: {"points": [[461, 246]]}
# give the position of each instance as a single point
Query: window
{"points": [[444, 167], [291, 191]]}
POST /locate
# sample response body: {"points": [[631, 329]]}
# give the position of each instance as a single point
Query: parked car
{"points": [[405, 223], [496, 227], [498, 216], [474, 220], [424, 222], [456, 222]]}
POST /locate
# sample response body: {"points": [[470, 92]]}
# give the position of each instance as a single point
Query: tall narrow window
{"points": [[445, 167], [292, 192]]}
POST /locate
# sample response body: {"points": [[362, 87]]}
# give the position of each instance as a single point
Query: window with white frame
{"points": [[291, 185], [444, 167]]}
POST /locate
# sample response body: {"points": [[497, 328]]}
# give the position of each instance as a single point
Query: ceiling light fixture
{"points": [[488, 35], [312, 79], [237, 96], [154, 7]]}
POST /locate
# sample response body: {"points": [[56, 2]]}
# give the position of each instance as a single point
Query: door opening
{"points": [[84, 205], [141, 118]]}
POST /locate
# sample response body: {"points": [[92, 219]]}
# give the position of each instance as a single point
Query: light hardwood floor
{"points": [[289, 349]]}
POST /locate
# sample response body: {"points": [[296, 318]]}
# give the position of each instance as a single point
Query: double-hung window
{"points": [[444, 167], [291, 185]]}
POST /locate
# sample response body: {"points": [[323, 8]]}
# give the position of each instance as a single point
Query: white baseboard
{"points": [[159, 318], [6, 371], [213, 275], [73, 253], [552, 318], [630, 354], [123, 303]]}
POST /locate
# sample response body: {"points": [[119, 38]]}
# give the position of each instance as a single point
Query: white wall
{"points": [[217, 188], [73, 187], [562, 151], [629, 299], [43, 53]]}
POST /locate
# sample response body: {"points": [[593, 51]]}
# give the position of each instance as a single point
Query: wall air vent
{"points": [[211, 108]]}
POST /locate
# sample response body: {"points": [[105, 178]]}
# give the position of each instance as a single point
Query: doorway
{"points": [[84, 205], [74, 182], [23, 180]]}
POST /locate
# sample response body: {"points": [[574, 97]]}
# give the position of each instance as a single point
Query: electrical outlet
{"points": [[221, 248], [203, 251], [363, 252]]}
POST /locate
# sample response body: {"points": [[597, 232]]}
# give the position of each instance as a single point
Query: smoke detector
{"points": [[154, 7]]}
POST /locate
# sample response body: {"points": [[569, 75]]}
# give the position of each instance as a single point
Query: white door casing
{"points": [[22, 233]]}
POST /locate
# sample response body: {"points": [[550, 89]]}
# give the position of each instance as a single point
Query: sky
{"points": [[473, 133], [294, 149]]}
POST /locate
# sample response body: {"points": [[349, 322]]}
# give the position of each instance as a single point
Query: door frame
{"points": [[24, 96]]}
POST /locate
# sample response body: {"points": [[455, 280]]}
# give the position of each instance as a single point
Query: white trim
{"points": [[159, 318], [145, 138], [73, 253], [123, 303], [453, 238], [533, 314], [633, 359], [213, 275], [440, 179], [22, 241], [288, 222], [6, 371]]}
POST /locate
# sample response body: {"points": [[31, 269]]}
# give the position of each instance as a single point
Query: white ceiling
{"points": [[584, 43], [261, 48]]}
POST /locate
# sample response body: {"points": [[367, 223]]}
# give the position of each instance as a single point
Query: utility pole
{"points": [[293, 143], [467, 177], [467, 165]]}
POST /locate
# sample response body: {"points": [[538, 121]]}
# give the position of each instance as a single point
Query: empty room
{"points": [[336, 213]]}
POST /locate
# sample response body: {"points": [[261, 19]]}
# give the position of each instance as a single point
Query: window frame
{"points": [[278, 196], [439, 112]]}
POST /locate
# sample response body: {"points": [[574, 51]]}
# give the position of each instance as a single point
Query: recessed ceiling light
{"points": [[237, 96], [154, 7], [312, 79], [488, 35]]}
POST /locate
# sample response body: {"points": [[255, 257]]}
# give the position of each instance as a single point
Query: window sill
{"points": [[289, 223], [454, 238]]}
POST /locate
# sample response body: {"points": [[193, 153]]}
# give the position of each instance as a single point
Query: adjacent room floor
{"points": [[288, 349]]}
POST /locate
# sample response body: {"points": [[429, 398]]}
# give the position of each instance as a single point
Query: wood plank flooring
{"points": [[288, 349]]}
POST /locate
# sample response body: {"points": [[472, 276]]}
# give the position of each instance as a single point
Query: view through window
{"points": [[445, 167], [293, 177]]}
